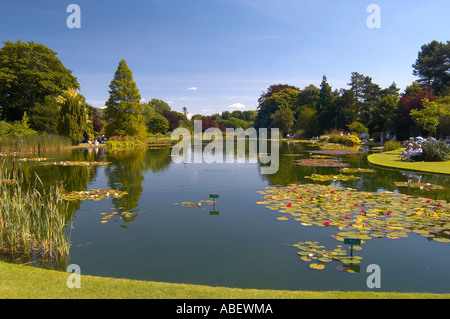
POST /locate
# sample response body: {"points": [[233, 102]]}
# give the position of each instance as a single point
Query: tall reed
{"points": [[33, 143], [33, 219]]}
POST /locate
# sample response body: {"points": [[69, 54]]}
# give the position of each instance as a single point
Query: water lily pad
{"points": [[442, 240], [76, 163], [324, 178], [94, 195], [317, 266]]}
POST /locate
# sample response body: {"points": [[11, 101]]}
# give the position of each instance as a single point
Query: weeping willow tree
{"points": [[73, 121]]}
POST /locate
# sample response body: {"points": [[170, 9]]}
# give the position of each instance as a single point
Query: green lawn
{"points": [[390, 160], [26, 282]]}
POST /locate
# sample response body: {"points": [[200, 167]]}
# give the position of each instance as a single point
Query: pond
{"points": [[159, 232]]}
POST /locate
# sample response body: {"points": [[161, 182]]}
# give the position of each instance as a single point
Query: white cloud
{"points": [[207, 110], [193, 88], [237, 106]]}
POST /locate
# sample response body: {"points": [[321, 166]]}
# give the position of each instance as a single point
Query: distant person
{"points": [[409, 148]]}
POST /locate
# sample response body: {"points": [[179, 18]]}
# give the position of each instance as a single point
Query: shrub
{"points": [[435, 151], [347, 140], [392, 145]]}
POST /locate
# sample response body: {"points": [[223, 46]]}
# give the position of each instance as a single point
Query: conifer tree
{"points": [[325, 106], [123, 108]]}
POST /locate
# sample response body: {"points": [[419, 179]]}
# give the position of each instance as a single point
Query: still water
{"points": [[237, 243]]}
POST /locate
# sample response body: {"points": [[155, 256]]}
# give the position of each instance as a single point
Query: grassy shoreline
{"points": [[390, 160], [26, 282]]}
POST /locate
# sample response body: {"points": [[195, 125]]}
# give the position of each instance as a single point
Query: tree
{"points": [[44, 116], [96, 123], [73, 118], [159, 106], [356, 127], [344, 106], [324, 106], [283, 119], [173, 120], [285, 98], [428, 117], [29, 72], [433, 66], [207, 123], [266, 108], [412, 99], [123, 108], [306, 123], [385, 115], [158, 124]]}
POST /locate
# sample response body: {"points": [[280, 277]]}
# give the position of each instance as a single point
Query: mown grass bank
{"points": [[390, 160], [26, 282]]}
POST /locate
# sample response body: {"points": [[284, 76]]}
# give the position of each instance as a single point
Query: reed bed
{"points": [[135, 142], [33, 219], [34, 143]]}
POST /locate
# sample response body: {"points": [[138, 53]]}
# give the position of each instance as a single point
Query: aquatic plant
{"points": [[320, 162], [33, 219], [93, 194], [367, 212], [326, 178], [76, 163], [357, 170], [359, 215]]}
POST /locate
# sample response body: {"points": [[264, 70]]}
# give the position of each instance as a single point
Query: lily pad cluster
{"points": [[335, 146], [123, 215], [318, 256], [324, 162], [362, 215], [76, 163], [198, 204], [326, 178], [335, 152], [94, 195], [421, 186], [33, 159], [357, 170]]}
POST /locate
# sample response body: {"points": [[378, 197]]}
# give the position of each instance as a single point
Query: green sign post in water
{"points": [[352, 241], [214, 196]]}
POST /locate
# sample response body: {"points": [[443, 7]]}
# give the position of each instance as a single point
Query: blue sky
{"points": [[215, 55]]}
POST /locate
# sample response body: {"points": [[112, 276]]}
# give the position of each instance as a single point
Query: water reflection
{"points": [[171, 243]]}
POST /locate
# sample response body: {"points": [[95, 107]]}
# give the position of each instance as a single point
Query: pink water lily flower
{"points": [[301, 197], [389, 213], [289, 205], [326, 223]]}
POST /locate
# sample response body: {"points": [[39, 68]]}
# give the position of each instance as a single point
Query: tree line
{"points": [[423, 108], [39, 94]]}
